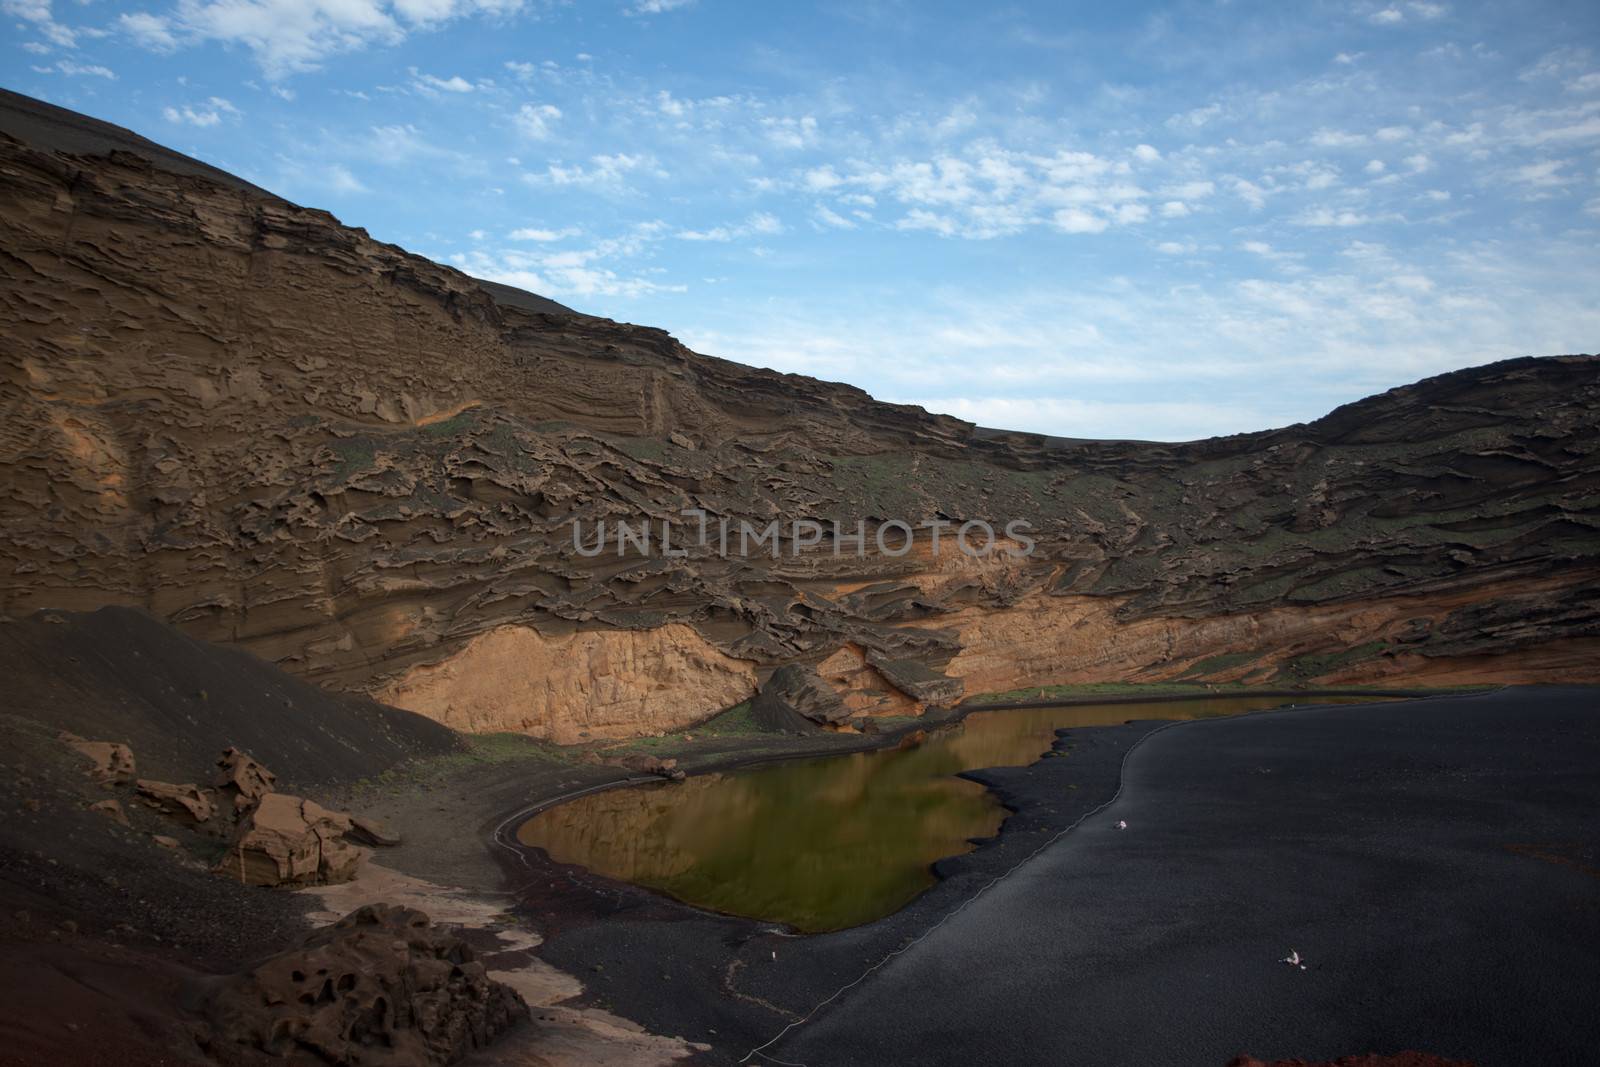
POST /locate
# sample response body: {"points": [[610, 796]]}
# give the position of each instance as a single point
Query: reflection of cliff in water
{"points": [[817, 843], [823, 843]]}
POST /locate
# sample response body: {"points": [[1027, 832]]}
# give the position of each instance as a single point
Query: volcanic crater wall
{"points": [[269, 429]]}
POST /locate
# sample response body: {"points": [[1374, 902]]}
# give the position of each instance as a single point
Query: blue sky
{"points": [[1160, 221]]}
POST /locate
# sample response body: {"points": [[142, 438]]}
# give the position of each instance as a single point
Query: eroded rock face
{"points": [[382, 986], [290, 841], [591, 685], [366, 467]]}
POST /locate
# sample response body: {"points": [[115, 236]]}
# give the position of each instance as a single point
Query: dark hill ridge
{"points": [[46, 126], [119, 675], [366, 467]]}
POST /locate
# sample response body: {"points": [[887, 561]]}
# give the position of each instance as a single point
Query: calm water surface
{"points": [[826, 843]]}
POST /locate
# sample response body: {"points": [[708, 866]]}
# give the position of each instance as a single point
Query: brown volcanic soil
{"points": [[271, 430]]}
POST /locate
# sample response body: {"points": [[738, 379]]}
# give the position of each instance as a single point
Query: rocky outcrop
{"points": [[110, 763], [290, 841], [188, 804], [271, 430], [241, 781], [796, 699], [382, 986]]}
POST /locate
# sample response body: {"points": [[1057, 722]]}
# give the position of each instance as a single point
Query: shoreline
{"points": [[719, 987], [503, 835]]}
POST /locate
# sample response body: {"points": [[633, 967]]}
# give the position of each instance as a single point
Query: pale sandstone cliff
{"points": [[269, 429]]}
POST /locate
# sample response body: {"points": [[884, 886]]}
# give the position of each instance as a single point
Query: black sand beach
{"points": [[1434, 861]]}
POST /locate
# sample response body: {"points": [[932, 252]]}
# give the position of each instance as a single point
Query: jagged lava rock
{"points": [[241, 780], [381, 987]]}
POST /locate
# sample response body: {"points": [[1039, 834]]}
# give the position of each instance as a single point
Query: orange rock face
{"points": [[598, 684]]}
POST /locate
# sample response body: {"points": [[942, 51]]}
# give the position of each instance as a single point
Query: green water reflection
{"points": [[822, 844]]}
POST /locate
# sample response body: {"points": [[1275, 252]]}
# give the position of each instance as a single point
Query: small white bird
{"points": [[1122, 824], [1293, 960]]}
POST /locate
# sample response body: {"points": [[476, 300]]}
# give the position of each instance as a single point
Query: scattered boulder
{"points": [[241, 780], [112, 809], [164, 841], [381, 987], [110, 762], [371, 832], [188, 804], [290, 841], [796, 699]]}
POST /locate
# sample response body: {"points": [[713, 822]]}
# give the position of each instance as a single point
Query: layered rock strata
{"points": [[271, 430]]}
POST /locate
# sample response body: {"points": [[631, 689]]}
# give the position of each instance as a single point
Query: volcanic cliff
{"points": [[269, 429]]}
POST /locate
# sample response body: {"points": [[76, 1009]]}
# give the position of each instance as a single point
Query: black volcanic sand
{"points": [[117, 674], [1437, 862]]}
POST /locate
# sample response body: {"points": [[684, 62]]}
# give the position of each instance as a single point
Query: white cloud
{"points": [[791, 133], [290, 36], [1251, 193], [1330, 217], [602, 270], [536, 234], [533, 120], [1146, 154], [602, 171], [71, 70], [1542, 175], [151, 31], [1337, 139], [1077, 220], [1196, 118], [433, 83], [656, 7], [832, 219], [210, 113], [758, 224], [37, 13]]}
